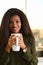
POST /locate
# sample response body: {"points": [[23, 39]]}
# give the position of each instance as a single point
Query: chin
{"points": [[15, 31]]}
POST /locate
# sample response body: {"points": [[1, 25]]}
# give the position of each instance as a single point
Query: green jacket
{"points": [[20, 58]]}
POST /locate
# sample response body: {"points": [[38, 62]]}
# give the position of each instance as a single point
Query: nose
{"points": [[14, 24]]}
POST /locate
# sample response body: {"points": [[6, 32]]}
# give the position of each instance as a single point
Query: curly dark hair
{"points": [[5, 29]]}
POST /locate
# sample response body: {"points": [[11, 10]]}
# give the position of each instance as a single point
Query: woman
{"points": [[15, 21]]}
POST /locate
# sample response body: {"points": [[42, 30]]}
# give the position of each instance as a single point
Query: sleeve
{"points": [[30, 55], [4, 56]]}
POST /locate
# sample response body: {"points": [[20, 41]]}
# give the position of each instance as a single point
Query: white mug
{"points": [[16, 47]]}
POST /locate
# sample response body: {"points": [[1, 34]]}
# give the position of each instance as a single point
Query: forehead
{"points": [[15, 17]]}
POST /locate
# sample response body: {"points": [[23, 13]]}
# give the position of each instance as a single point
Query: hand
{"points": [[21, 42], [11, 41]]}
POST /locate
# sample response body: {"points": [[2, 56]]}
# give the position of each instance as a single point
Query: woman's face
{"points": [[15, 24]]}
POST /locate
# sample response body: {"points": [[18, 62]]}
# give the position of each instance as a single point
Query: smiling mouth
{"points": [[14, 29]]}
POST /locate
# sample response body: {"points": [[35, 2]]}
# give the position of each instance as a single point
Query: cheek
{"points": [[20, 26], [10, 26]]}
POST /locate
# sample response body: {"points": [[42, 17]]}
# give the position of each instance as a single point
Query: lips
{"points": [[14, 29]]}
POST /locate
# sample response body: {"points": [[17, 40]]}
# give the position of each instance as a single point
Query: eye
{"points": [[17, 21]]}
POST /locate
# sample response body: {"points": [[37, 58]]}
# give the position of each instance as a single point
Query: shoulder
{"points": [[29, 39]]}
